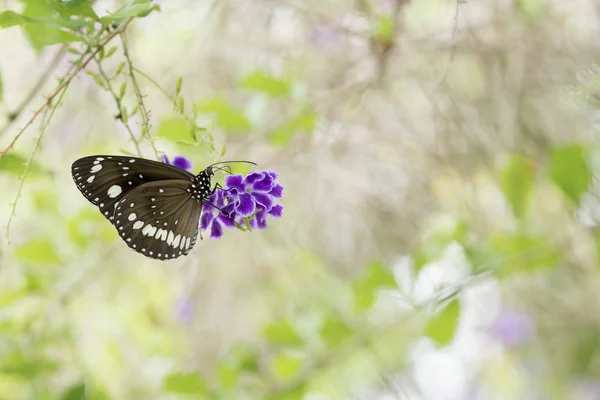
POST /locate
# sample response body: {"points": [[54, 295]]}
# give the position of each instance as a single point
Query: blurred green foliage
{"points": [[71, 328]]}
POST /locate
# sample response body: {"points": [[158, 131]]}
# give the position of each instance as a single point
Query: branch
{"points": [[140, 99], [12, 116], [119, 106], [66, 82]]}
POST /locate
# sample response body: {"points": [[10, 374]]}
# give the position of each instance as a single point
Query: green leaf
{"points": [[87, 226], [44, 25], [585, 352], [176, 129], [434, 246], [285, 367], [28, 366], [570, 171], [11, 18], [293, 393], [178, 85], [507, 254], [99, 81], [39, 250], [223, 149], [531, 10], [442, 327], [75, 8], [384, 28], [282, 333], [261, 81], [334, 330], [302, 122], [15, 164], [135, 8], [185, 383], [377, 277], [75, 392], [516, 181], [227, 117]]}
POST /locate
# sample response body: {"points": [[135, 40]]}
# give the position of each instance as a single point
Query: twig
{"points": [[140, 99], [119, 106], [453, 50], [45, 122], [173, 100], [66, 82], [12, 116]]}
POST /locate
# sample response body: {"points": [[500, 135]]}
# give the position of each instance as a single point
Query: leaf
{"points": [[75, 8], [185, 383], [442, 327], [227, 117], [586, 350], [302, 122], [40, 250], [282, 333], [293, 393], [178, 85], [44, 26], [516, 181], [135, 8], [176, 129], [384, 28], [75, 392], [365, 289], [507, 254], [570, 171], [286, 367], [99, 81], [261, 81], [334, 330], [11, 18]]}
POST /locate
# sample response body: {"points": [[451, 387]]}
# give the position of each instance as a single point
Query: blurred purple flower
{"points": [[254, 196], [512, 328], [178, 161], [325, 38], [184, 310]]}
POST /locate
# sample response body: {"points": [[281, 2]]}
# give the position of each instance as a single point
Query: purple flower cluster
{"points": [[178, 161], [244, 202]]}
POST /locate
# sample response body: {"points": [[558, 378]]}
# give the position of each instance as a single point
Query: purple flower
{"points": [[179, 162], [512, 328], [251, 198], [184, 310]]}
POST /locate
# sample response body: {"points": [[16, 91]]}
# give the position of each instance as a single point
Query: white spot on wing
{"points": [[138, 225], [91, 179], [99, 159], [96, 168], [170, 238], [187, 243], [176, 241], [132, 217], [114, 191]]}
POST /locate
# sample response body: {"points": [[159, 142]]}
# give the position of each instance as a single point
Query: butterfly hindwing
{"points": [[159, 219], [105, 180]]}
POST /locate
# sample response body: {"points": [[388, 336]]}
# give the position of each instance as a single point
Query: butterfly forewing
{"points": [[159, 219], [105, 180]]}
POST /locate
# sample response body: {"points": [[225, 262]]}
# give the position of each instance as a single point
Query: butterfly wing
{"points": [[159, 219], [104, 180]]}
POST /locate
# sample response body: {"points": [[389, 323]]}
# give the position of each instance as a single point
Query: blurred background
{"points": [[439, 235]]}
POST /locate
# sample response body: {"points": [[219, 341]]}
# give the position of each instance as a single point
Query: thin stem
{"points": [[119, 106], [66, 81], [48, 114], [140, 99], [12, 116]]}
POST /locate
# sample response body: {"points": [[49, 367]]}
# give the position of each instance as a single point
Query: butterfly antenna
{"points": [[235, 161]]}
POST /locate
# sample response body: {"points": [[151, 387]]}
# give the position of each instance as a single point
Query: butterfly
{"points": [[154, 206]]}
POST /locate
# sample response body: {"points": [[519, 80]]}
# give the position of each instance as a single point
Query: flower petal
{"points": [[273, 175], [264, 185], [261, 219], [245, 206], [235, 181], [165, 159], [182, 162], [263, 199], [276, 211], [205, 220], [216, 230], [276, 192], [253, 177], [227, 221]]}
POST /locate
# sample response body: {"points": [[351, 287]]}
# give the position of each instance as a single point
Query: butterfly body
{"points": [[155, 207]]}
